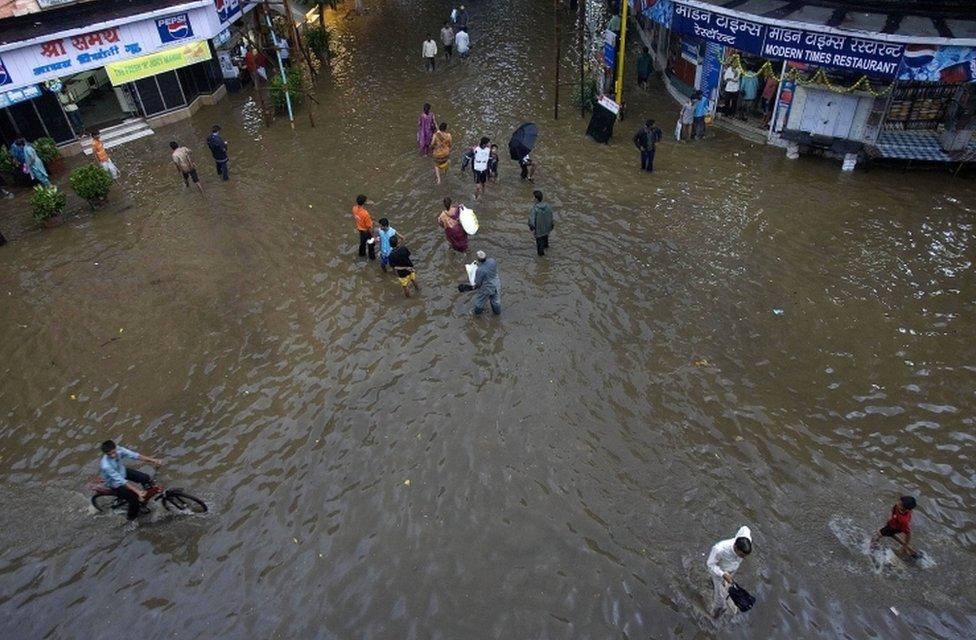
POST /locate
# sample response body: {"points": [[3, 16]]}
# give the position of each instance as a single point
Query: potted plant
{"points": [[47, 151], [91, 182], [48, 204], [7, 163]]}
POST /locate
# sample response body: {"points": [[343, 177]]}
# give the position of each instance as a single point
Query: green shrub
{"points": [[91, 182], [7, 163], [276, 88], [47, 202], [585, 95], [47, 149], [318, 40]]}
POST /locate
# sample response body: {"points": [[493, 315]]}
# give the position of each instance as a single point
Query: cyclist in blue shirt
{"points": [[125, 482]]}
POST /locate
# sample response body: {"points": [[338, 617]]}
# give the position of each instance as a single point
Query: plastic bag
{"points": [[677, 130], [472, 269]]}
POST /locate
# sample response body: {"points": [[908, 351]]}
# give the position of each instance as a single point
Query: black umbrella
{"points": [[523, 140]]}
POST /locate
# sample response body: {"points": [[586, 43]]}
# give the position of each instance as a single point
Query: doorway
{"points": [[99, 104]]}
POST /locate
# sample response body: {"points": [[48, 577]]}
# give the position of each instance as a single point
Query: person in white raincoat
{"points": [[723, 561]]}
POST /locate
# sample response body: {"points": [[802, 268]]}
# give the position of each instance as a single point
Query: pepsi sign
{"points": [[4, 76], [174, 28], [227, 9]]}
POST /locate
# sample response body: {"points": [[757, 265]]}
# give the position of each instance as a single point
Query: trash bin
{"points": [[601, 122]]}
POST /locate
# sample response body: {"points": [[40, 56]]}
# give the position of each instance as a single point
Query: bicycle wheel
{"points": [[179, 501], [107, 502]]}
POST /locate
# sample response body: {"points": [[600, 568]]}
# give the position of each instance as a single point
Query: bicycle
{"points": [[105, 501]]}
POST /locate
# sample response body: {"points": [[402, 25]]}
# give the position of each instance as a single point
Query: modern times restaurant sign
{"points": [[64, 56], [857, 55]]}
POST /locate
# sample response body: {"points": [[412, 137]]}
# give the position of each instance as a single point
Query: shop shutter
{"points": [[28, 124], [152, 102], [189, 84], [169, 87], [54, 118]]}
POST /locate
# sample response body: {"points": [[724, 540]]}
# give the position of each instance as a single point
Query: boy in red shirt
{"points": [[899, 523]]}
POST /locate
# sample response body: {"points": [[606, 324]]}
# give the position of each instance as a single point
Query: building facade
{"points": [[91, 65], [879, 82]]}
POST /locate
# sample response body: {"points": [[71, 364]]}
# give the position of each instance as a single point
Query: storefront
{"points": [[143, 66], [231, 45], [826, 86]]}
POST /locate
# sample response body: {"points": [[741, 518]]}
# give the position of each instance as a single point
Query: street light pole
{"points": [[555, 108], [582, 54], [623, 51]]}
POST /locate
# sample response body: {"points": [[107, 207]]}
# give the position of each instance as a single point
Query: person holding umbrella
{"points": [[520, 145]]}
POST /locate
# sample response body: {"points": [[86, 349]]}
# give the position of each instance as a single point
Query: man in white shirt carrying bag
{"points": [[723, 561]]}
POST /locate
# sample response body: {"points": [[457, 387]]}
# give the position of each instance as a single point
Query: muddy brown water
{"points": [[570, 462]]}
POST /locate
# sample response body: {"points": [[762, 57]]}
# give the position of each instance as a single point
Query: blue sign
{"points": [[4, 76], [743, 35], [832, 50], [19, 95], [174, 28], [227, 9], [858, 55], [609, 56], [711, 74]]}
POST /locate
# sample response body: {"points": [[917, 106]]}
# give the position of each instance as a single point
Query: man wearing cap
{"points": [[488, 285]]}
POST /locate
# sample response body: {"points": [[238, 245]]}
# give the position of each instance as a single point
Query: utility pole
{"points": [[623, 51], [582, 54], [555, 6], [256, 79], [304, 66]]}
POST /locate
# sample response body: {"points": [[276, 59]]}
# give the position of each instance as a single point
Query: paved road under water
{"points": [[569, 463]]}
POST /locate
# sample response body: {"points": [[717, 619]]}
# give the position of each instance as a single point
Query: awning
{"points": [[942, 23], [84, 16], [815, 41]]}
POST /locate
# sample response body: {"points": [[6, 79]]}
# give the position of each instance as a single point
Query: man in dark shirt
{"points": [[645, 139], [403, 266], [644, 68], [540, 222], [219, 150]]}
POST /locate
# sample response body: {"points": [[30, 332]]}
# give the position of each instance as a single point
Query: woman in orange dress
{"points": [[441, 150]]}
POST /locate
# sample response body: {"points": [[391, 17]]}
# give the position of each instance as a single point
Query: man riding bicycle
{"points": [[123, 481]]}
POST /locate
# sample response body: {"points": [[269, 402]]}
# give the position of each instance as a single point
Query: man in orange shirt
{"points": [[98, 150], [364, 225]]}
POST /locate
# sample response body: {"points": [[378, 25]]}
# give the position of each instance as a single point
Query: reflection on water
{"points": [[390, 468]]}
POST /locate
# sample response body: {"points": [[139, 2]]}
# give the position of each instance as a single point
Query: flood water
{"points": [[735, 339]]}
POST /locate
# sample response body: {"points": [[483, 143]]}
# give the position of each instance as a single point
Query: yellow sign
{"points": [[150, 65]]}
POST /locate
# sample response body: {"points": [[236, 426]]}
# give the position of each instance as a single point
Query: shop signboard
{"points": [[167, 60], [857, 55], [174, 28], [227, 10], [933, 63], [743, 35], [94, 49], [222, 38], [29, 92]]}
